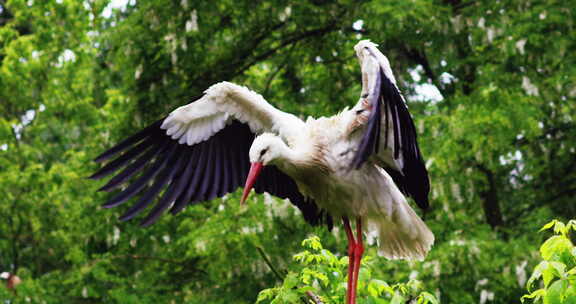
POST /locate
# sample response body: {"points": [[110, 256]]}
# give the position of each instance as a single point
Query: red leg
{"points": [[351, 250], [358, 251]]}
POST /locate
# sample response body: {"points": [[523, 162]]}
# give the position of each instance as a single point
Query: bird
{"points": [[12, 280], [360, 164]]}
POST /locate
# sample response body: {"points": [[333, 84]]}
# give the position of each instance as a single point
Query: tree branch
{"points": [[275, 73], [491, 203], [302, 36], [553, 131], [419, 56], [316, 299], [269, 263], [237, 67]]}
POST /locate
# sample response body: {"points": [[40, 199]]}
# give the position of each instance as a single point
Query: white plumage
{"points": [[198, 121], [318, 160]]}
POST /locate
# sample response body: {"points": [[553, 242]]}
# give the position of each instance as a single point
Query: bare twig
{"points": [[301, 36], [316, 299], [269, 263]]}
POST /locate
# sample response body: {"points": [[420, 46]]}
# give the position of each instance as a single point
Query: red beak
{"points": [[255, 169]]}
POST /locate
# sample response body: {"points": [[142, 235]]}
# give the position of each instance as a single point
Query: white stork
{"points": [[358, 164]]}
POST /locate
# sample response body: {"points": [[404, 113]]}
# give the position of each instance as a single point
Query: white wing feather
{"points": [[365, 50], [371, 60], [222, 102]]}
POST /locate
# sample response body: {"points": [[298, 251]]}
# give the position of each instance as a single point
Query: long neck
{"points": [[292, 160], [286, 158]]}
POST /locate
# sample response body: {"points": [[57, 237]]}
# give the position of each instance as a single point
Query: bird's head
{"points": [[265, 150]]}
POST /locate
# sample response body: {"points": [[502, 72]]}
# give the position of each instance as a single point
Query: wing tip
{"points": [[164, 149], [423, 203], [106, 188], [110, 204], [366, 43], [150, 220], [100, 158], [94, 176]]}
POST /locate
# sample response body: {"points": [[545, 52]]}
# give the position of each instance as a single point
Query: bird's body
{"points": [[317, 155], [357, 164]]}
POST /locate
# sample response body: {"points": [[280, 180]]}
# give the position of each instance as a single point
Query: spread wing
{"points": [[200, 152], [389, 136]]}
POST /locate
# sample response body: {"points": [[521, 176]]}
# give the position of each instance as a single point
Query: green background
{"points": [[78, 76]]}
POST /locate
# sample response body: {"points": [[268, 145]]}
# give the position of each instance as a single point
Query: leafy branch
{"points": [[557, 272], [321, 272]]}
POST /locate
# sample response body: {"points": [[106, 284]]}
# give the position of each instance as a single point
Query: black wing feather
{"points": [[190, 174], [172, 191], [188, 181], [207, 175], [128, 142], [148, 196], [195, 182], [139, 184], [413, 178], [226, 173], [123, 159], [133, 168], [234, 170]]}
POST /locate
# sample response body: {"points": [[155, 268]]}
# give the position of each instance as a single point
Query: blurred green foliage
{"points": [[499, 138]]}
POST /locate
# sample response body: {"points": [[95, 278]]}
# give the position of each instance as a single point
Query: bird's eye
{"points": [[359, 111], [365, 95], [263, 151]]}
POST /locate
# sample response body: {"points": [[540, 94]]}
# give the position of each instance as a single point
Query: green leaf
{"points": [[553, 270], [560, 268], [536, 295], [571, 225], [290, 296], [547, 275], [555, 294], [536, 274], [266, 294], [548, 225], [426, 297], [560, 228], [377, 287], [557, 248], [305, 289], [290, 281], [312, 242], [398, 298]]}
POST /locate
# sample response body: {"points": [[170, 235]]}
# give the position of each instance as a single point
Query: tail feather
{"points": [[403, 235]]}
